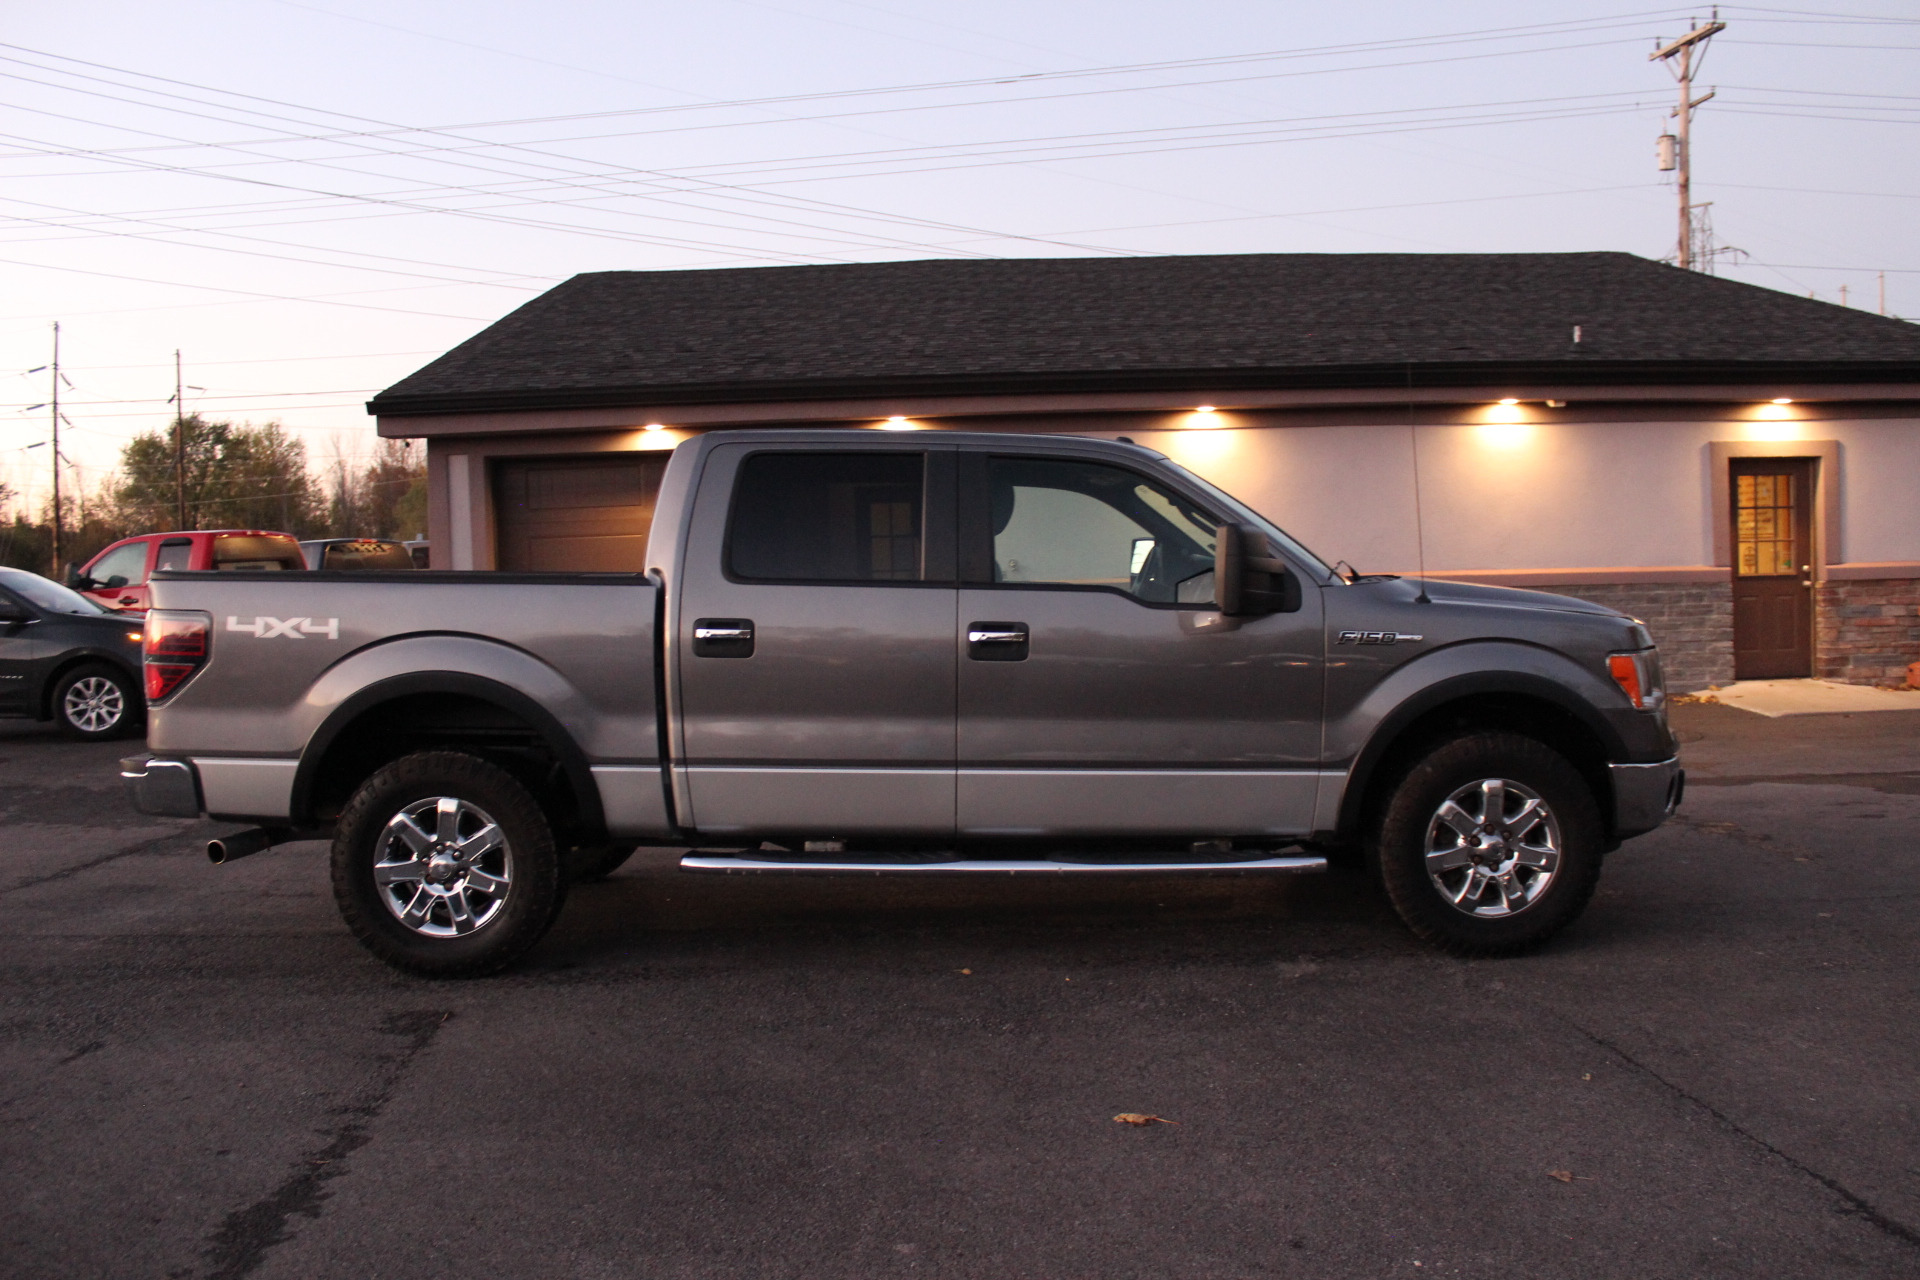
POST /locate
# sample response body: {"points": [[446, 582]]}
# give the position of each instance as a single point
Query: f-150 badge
{"points": [[292, 628], [1375, 637]]}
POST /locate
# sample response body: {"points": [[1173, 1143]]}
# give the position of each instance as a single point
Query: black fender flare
{"points": [[1453, 689], [506, 697]]}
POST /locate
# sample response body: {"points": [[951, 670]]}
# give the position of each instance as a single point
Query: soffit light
{"points": [[1509, 400], [655, 426], [1783, 399]]}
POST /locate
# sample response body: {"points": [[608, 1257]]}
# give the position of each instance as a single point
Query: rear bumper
{"points": [[1645, 795], [164, 788]]}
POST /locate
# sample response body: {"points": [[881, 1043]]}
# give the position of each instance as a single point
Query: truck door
{"points": [[1099, 690], [813, 642], [119, 577]]}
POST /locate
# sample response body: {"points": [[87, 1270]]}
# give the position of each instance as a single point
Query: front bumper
{"points": [[1645, 795], [163, 788]]}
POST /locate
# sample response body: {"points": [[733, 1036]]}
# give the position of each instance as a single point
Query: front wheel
{"points": [[97, 702], [444, 865], [1489, 845]]}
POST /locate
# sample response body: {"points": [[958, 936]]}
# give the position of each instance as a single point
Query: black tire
{"points": [[510, 891], [97, 701], [591, 863], [1426, 856]]}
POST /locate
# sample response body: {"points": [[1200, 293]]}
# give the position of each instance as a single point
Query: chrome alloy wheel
{"points": [[443, 867], [93, 704], [1493, 847]]}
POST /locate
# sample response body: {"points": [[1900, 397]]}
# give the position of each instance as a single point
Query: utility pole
{"points": [[179, 444], [1687, 256], [55, 401], [1883, 293]]}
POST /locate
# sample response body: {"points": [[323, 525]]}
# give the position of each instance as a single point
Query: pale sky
{"points": [[310, 200]]}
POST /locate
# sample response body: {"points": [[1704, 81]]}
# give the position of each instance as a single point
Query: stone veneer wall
{"points": [[1692, 622], [1866, 631]]}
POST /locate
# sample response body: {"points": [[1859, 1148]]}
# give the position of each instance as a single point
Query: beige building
{"points": [[1738, 467]]}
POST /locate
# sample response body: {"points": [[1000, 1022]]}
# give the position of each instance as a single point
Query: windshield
{"points": [[44, 593], [1281, 541]]}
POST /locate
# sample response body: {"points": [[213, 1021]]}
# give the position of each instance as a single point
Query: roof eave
{"points": [[1380, 376]]}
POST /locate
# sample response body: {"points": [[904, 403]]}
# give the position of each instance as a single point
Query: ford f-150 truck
{"points": [[926, 653]]}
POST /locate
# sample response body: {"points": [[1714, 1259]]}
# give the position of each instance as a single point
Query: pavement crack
{"points": [[91, 1046], [67, 873], [242, 1241], [1855, 1204]]}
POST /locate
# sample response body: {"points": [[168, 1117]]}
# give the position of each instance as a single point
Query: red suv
{"points": [[117, 577]]}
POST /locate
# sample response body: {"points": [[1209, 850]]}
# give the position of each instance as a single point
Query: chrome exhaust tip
{"points": [[239, 844]]}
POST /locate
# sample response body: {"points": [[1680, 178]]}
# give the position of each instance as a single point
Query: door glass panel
{"points": [[173, 555], [828, 517], [1088, 525], [128, 563], [1764, 526]]}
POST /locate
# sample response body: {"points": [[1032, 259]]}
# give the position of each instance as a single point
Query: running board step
{"points": [[995, 867]]}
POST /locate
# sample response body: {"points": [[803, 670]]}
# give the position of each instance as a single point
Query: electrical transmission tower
{"points": [[1694, 250]]}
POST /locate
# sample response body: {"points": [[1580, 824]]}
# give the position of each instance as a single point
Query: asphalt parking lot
{"points": [[1712, 1074]]}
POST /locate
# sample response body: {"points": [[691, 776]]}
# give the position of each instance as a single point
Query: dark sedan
{"points": [[66, 659]]}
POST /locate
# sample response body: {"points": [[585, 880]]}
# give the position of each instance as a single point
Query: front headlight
{"points": [[1638, 675]]}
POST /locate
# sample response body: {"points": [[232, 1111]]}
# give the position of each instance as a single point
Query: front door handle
{"points": [[997, 641], [723, 637]]}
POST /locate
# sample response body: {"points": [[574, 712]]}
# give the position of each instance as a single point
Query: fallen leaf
{"points": [[1135, 1118], [968, 972], [1586, 1075], [1566, 1175]]}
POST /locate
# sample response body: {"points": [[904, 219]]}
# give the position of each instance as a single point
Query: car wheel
{"points": [[97, 702], [1489, 845], [590, 863], [444, 865]]}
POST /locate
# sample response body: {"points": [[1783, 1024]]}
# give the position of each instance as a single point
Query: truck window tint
{"points": [[366, 555], [828, 517], [1088, 525], [128, 563], [174, 555], [251, 552]]}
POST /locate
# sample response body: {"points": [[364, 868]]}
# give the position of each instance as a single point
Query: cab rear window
{"points": [[241, 552], [368, 554]]}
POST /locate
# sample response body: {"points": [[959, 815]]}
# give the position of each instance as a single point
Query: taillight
{"points": [[176, 647], [1638, 675]]}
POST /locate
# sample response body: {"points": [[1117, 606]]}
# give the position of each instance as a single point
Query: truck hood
{"points": [[1510, 598]]}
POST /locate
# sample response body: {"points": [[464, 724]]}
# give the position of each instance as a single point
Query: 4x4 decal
{"points": [[292, 628]]}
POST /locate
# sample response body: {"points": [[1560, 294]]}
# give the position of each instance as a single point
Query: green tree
{"points": [[236, 477], [384, 499]]}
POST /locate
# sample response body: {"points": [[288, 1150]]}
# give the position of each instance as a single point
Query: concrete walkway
{"points": [[1811, 697]]}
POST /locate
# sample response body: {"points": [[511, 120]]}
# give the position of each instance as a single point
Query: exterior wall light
{"points": [[897, 422], [1205, 408], [1508, 400], [1504, 435], [655, 426], [1783, 399]]}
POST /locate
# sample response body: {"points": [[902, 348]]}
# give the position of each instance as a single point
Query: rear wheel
{"points": [[444, 865], [96, 702], [1489, 845]]}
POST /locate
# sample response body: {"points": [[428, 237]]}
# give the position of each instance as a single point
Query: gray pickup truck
{"points": [[916, 653]]}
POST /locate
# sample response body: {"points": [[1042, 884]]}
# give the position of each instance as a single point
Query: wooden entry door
{"points": [[589, 511], [1772, 501]]}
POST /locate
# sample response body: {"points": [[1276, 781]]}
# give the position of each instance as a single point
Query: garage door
{"points": [[575, 513]]}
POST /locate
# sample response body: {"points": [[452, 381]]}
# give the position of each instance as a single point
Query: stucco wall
{"points": [[1541, 495]]}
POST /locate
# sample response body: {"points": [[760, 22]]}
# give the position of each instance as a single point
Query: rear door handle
{"points": [[997, 641], [723, 637]]}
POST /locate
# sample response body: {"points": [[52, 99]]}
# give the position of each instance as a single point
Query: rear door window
{"points": [[174, 553], [241, 552], [828, 517]]}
